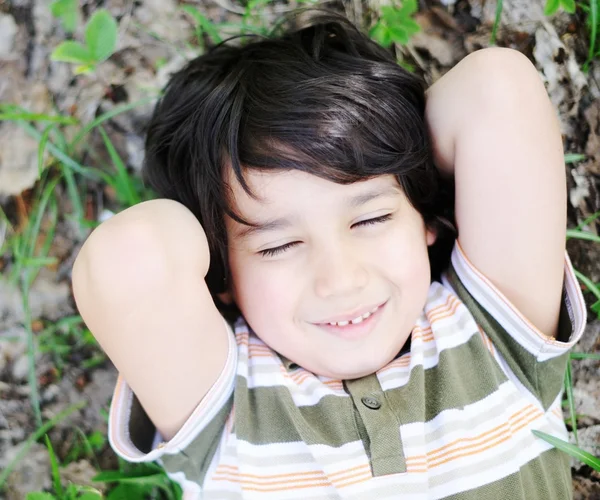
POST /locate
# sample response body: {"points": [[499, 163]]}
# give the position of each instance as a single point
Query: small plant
{"points": [[100, 43], [552, 6], [67, 338], [68, 13], [139, 481], [396, 25]]}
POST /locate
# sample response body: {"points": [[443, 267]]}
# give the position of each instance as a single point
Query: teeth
{"points": [[355, 321]]}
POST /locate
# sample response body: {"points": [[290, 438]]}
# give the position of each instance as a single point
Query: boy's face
{"points": [[314, 263]]}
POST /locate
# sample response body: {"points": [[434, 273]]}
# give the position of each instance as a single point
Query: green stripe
{"points": [[195, 460], [464, 375], [543, 379], [547, 477], [269, 415]]}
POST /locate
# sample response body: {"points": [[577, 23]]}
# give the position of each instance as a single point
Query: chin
{"points": [[345, 374]]}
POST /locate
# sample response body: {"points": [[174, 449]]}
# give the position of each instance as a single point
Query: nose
{"points": [[339, 271]]}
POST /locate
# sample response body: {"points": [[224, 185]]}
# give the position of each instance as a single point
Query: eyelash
{"points": [[270, 252]]}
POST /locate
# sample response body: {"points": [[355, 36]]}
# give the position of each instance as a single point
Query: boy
{"points": [[349, 373]]}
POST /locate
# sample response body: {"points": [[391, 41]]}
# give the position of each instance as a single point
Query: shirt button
{"points": [[371, 402]]}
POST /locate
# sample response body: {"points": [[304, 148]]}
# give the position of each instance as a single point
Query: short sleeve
{"points": [[134, 438], [537, 360]]}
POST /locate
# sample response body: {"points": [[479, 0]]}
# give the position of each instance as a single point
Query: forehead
{"points": [[293, 189]]}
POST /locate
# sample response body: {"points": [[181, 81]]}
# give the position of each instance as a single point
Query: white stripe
{"points": [[206, 410], [493, 301]]}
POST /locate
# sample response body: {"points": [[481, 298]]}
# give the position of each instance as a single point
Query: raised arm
{"points": [[494, 129], [139, 285]]}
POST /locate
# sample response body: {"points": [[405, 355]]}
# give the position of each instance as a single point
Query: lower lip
{"points": [[353, 332]]}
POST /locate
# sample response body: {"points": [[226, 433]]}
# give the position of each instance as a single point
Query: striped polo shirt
{"points": [[450, 417]]}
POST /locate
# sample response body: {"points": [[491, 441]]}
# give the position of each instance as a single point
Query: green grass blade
{"points": [[58, 489], [496, 21], [593, 30], [37, 117], [587, 221], [42, 148], [107, 116], [574, 451], [571, 399], [126, 190], [34, 229], [35, 436], [585, 355], [588, 283], [582, 235], [574, 158], [73, 190], [87, 172]]}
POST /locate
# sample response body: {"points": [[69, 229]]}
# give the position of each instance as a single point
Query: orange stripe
{"points": [[507, 303], [362, 479], [290, 475], [505, 438], [532, 413], [451, 304], [397, 363], [441, 307], [444, 450], [322, 480]]}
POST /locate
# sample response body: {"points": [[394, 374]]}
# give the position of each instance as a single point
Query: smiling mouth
{"points": [[357, 328], [355, 321]]}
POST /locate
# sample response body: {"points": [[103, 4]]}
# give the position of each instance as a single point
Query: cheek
{"points": [[403, 255], [263, 295]]}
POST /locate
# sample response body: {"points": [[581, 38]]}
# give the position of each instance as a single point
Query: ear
{"points": [[226, 297], [431, 237]]}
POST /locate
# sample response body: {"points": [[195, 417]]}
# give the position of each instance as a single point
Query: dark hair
{"points": [[322, 98]]}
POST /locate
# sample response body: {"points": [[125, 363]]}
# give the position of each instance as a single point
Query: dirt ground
{"points": [[155, 38]]}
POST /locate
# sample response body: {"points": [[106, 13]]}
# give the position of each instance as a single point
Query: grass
{"points": [[62, 143]]}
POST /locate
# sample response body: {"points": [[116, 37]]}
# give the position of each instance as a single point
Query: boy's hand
{"points": [[494, 128]]}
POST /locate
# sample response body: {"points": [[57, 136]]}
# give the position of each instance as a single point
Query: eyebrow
{"points": [[285, 222]]}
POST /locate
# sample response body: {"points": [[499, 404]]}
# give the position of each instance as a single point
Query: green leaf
{"points": [[408, 7], [399, 34], [84, 69], [58, 489], [411, 26], [90, 495], [38, 495], [574, 451], [68, 12], [569, 5], [596, 308], [551, 7], [101, 35], [72, 52], [381, 34]]}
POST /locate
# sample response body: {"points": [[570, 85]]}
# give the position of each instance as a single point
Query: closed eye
{"points": [[270, 252], [376, 220]]}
